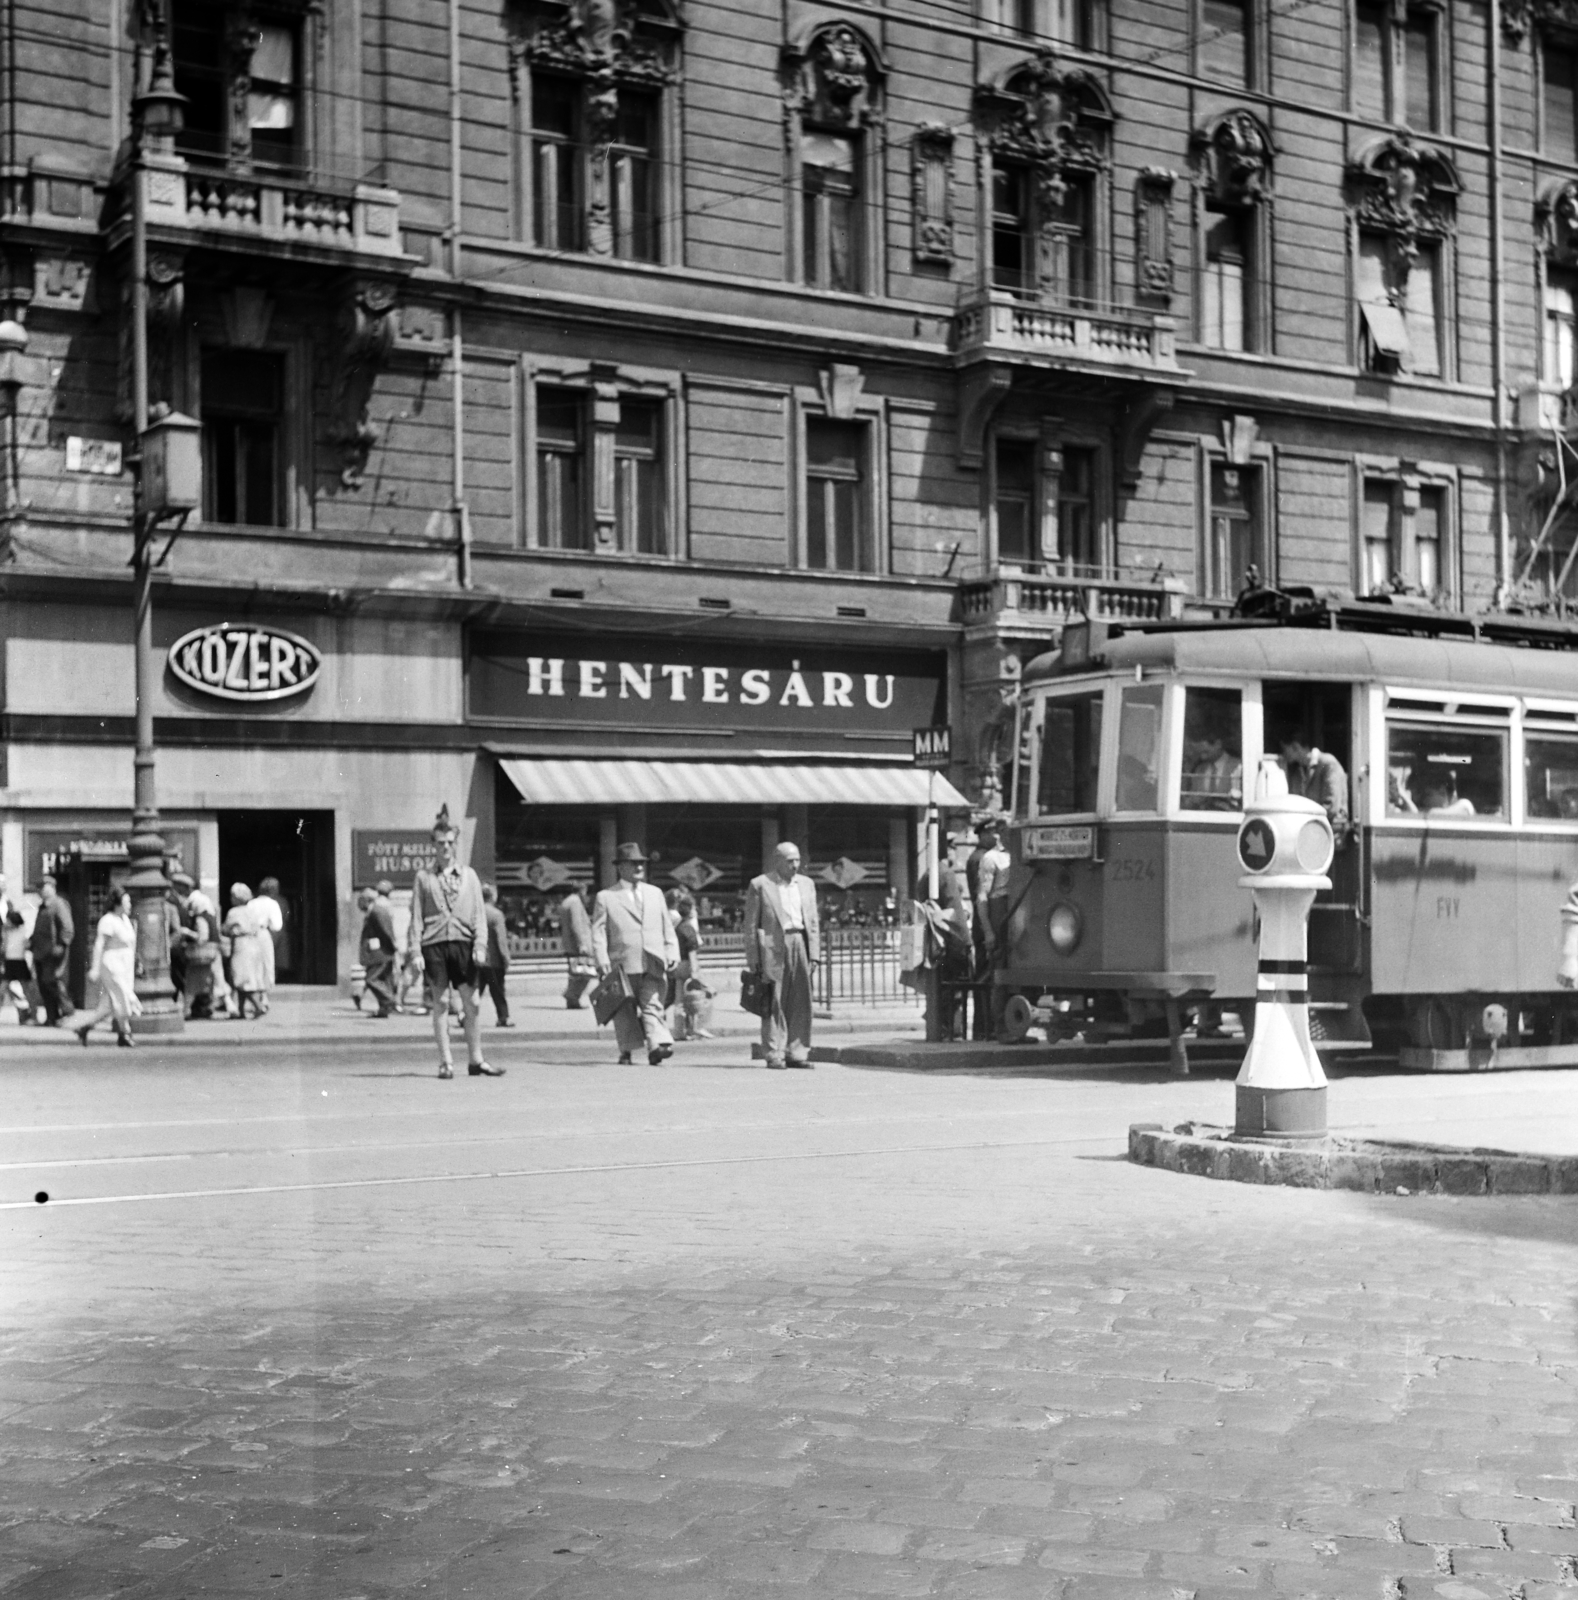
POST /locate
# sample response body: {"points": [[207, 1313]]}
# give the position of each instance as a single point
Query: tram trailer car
{"points": [[1439, 936]]}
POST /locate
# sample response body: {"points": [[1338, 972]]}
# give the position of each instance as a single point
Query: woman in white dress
{"points": [[114, 966], [248, 972]]}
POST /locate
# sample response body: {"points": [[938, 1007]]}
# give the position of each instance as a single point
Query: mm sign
{"points": [[933, 748]]}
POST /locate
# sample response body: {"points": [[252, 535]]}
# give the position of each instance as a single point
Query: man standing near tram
{"points": [[1317, 775]]}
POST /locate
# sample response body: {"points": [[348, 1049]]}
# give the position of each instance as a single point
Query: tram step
{"points": [[1479, 1059]]}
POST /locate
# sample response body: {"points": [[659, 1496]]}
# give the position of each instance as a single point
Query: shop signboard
{"points": [[397, 854], [672, 685], [47, 848], [245, 662], [933, 748]]}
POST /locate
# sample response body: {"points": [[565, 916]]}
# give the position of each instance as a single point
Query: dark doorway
{"points": [[297, 847]]}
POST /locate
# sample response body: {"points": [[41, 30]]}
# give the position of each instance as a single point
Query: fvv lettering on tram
{"points": [[244, 663]]}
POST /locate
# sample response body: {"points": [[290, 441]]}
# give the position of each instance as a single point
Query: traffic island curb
{"points": [[1371, 1166]]}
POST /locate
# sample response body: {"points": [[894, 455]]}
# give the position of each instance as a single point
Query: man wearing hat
{"points": [[378, 949], [631, 930], [783, 942], [449, 927], [990, 929]]}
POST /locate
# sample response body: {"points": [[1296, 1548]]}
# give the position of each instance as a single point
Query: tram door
{"points": [[1323, 712]]}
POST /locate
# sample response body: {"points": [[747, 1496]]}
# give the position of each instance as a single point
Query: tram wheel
{"points": [[1434, 1024]]}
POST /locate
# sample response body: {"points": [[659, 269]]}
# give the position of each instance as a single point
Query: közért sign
{"points": [[245, 661]]}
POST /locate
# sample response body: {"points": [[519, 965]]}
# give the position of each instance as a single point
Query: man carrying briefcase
{"points": [[631, 930]]}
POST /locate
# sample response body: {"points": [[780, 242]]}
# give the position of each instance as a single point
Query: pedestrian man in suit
{"points": [[783, 942], [53, 931], [498, 957], [449, 928], [631, 930], [575, 932]]}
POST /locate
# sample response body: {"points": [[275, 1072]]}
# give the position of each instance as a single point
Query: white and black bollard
{"points": [[1285, 846]]}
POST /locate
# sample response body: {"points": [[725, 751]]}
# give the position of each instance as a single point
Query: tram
{"points": [[1457, 742]]}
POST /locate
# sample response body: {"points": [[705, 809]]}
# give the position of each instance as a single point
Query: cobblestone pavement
{"points": [[323, 1326]]}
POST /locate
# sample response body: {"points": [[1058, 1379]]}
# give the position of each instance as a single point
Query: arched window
{"points": [[1232, 160], [833, 134]]}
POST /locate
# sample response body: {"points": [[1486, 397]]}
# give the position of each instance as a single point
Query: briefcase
{"points": [[756, 993], [610, 995]]}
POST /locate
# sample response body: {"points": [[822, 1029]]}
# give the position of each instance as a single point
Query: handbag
{"points": [[609, 995], [756, 993]]}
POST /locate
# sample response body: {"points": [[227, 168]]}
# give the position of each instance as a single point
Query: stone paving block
{"points": [[1452, 1531], [1513, 1566], [1067, 1559], [1542, 1540], [1517, 1509], [1055, 1527], [850, 1574], [1132, 1505], [978, 1549], [603, 1486], [864, 1538], [1007, 1492], [775, 1563]]}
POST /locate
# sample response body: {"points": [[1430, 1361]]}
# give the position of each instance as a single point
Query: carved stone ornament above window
{"points": [[1556, 217], [1518, 16], [832, 76], [364, 332], [1055, 118], [1406, 191], [611, 41], [1232, 155]]}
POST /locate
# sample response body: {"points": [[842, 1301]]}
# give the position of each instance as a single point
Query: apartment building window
{"points": [[1226, 291], [562, 521], [1405, 537], [838, 531], [1234, 541], [1012, 250], [1071, 22], [1397, 66], [1043, 243], [831, 233], [1222, 43], [632, 175], [1400, 328], [1561, 301], [556, 162], [1559, 100], [240, 71], [1018, 538], [242, 406], [638, 478], [1076, 507]]}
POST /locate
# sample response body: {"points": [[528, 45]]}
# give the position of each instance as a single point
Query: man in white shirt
{"points": [[783, 942]]}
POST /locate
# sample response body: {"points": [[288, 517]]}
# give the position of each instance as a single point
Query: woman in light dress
{"points": [[248, 964], [271, 924], [114, 966]]}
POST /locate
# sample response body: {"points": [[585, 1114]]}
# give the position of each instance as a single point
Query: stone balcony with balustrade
{"points": [[1032, 603], [991, 324]]}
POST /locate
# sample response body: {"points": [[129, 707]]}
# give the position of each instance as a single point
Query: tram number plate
{"points": [[1059, 844]]}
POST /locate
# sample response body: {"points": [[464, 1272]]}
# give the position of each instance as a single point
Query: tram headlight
{"points": [[1065, 928], [1315, 845]]}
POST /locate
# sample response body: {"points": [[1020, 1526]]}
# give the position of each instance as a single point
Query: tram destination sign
{"points": [[1059, 844]]}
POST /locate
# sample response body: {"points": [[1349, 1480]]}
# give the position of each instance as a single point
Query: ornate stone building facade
{"points": [[637, 347]]}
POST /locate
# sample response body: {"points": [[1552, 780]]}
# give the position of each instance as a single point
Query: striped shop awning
{"points": [[569, 783]]}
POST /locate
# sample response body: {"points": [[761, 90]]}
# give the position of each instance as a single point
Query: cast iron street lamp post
{"points": [[156, 112]]}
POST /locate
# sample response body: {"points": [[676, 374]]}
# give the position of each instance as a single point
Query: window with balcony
{"points": [[242, 416], [838, 520], [241, 72], [1076, 507], [1235, 539], [1396, 69], [1014, 501], [1043, 236], [1561, 303], [830, 234]]}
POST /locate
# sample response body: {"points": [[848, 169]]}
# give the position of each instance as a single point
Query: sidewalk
{"points": [[303, 1015]]}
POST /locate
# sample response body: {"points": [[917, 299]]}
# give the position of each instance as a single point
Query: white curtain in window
{"points": [[1424, 337], [1383, 321], [1559, 317]]}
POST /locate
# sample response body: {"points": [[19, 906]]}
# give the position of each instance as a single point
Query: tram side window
{"points": [[1070, 755], [1551, 772], [1139, 747], [1213, 758], [1438, 771]]}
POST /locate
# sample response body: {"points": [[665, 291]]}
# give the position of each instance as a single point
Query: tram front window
{"points": [[1139, 747], [1070, 756], [1551, 770], [1212, 777], [1436, 771]]}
